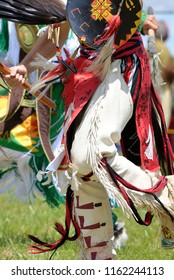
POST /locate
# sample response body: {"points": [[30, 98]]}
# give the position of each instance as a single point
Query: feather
{"points": [[33, 11]]}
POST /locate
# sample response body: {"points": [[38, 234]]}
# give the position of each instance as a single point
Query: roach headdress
{"points": [[94, 21]]}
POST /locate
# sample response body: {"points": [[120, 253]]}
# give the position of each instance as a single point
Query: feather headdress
{"points": [[33, 11]]}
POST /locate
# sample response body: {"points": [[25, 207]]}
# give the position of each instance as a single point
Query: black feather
{"points": [[33, 11]]}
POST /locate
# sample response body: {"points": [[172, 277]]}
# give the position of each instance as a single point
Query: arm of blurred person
{"points": [[44, 47]]}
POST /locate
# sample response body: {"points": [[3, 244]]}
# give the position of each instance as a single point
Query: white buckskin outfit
{"points": [[102, 123], [100, 114]]}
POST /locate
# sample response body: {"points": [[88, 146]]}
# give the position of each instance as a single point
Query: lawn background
{"points": [[18, 219]]}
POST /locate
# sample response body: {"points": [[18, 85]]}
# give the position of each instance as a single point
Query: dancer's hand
{"points": [[150, 23], [17, 76]]}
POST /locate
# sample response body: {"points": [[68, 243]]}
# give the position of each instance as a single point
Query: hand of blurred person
{"points": [[150, 23], [17, 76]]}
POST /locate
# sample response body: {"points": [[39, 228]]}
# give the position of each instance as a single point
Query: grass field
{"points": [[18, 219]]}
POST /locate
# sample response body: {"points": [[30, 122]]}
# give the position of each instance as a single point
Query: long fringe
{"points": [[36, 249], [41, 62], [102, 63], [19, 178], [95, 158], [140, 199]]}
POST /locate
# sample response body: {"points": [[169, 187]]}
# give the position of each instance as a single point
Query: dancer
{"points": [[34, 159], [111, 98], [23, 152]]}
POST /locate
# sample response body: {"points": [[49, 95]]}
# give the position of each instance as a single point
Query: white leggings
{"points": [[107, 113]]}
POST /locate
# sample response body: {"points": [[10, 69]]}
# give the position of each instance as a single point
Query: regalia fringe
{"points": [[134, 198], [101, 64], [18, 177]]}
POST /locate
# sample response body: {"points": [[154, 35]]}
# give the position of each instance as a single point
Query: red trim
{"points": [[156, 188], [36, 249]]}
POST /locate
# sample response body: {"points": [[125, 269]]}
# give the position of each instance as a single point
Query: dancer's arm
{"points": [[44, 47]]}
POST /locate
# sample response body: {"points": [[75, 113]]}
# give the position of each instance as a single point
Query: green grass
{"points": [[17, 220]]}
